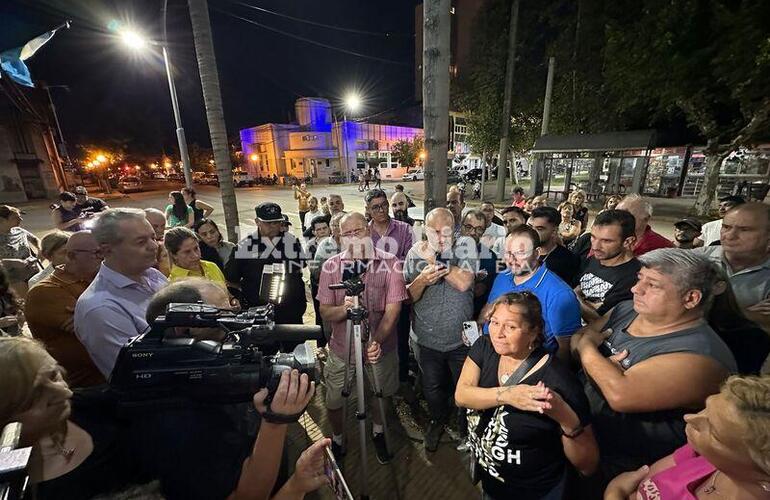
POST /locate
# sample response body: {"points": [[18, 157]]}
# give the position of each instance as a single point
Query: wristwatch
{"points": [[575, 432]]}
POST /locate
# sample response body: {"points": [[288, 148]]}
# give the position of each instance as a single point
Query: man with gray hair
{"points": [[646, 239], [440, 274], [112, 308], [652, 359]]}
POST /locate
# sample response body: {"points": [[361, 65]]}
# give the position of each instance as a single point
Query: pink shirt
{"points": [[678, 482], [396, 240], [384, 283]]}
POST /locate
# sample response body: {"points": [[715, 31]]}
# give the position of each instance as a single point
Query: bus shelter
{"points": [[600, 164]]}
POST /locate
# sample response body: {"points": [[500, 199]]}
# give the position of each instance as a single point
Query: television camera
{"points": [[162, 366]]}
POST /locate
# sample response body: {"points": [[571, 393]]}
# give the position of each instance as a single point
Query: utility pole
{"points": [[507, 101], [212, 97], [435, 96], [537, 172]]}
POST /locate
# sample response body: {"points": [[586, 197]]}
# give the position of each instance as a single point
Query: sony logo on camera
{"points": [[142, 354]]}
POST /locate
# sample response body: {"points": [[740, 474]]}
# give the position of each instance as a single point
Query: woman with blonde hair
{"points": [[727, 454], [67, 462], [570, 228], [611, 202], [578, 199]]}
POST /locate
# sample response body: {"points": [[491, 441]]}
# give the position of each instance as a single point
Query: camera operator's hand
{"points": [[373, 351], [292, 396], [308, 474]]}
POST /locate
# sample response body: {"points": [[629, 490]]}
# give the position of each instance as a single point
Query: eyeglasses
{"points": [[354, 232], [474, 229], [379, 207]]}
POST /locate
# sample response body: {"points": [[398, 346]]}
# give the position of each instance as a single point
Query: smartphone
{"points": [[441, 262], [470, 332], [336, 480]]}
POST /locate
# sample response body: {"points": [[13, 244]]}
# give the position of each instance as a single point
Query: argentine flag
{"points": [[12, 60]]}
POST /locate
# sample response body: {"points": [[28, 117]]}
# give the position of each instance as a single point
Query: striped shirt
{"points": [[384, 285]]}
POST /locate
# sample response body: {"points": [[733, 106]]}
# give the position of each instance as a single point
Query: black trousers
{"points": [[402, 329], [302, 219], [440, 372]]}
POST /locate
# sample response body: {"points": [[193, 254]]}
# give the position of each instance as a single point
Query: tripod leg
{"points": [[347, 382], [377, 389], [361, 407]]}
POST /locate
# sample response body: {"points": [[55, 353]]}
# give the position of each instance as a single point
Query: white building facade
{"points": [[318, 148]]}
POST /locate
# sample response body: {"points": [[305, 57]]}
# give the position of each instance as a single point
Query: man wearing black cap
{"points": [[685, 233], [267, 256], [710, 230]]}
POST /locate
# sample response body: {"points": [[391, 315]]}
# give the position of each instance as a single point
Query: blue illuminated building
{"points": [[317, 146]]}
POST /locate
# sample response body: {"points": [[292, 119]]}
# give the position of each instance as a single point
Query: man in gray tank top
{"points": [[651, 360]]}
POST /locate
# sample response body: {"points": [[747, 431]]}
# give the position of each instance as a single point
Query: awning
{"points": [[608, 141]]}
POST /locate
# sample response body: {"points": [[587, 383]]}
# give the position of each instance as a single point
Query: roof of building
{"points": [[608, 141]]}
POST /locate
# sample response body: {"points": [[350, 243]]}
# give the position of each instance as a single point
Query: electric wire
{"points": [[310, 41], [323, 25]]}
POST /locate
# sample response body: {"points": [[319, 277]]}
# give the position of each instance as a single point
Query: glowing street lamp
{"points": [[254, 157], [352, 102], [101, 159], [134, 40]]}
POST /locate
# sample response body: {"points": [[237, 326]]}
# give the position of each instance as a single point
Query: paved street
{"points": [[38, 216]]}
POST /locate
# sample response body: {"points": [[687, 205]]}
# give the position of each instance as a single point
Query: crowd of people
{"points": [[574, 360]]}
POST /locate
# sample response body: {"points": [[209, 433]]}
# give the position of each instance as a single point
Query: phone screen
{"points": [[336, 480]]}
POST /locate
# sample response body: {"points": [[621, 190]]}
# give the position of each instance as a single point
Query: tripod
{"points": [[355, 340]]}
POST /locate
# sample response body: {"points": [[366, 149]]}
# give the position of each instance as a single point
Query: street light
{"points": [[101, 158], [353, 102], [135, 41]]}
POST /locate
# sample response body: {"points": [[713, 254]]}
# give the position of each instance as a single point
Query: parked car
{"points": [[242, 178], [130, 183], [212, 179], [414, 175], [160, 176], [175, 177]]}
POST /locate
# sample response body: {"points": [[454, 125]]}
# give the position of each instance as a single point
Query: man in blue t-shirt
{"points": [[561, 309]]}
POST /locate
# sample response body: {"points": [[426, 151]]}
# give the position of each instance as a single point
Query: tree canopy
{"points": [[696, 65]]}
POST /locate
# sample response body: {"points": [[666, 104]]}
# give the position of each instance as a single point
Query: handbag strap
{"points": [[518, 374]]}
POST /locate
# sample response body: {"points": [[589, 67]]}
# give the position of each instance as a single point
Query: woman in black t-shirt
{"points": [[524, 435]]}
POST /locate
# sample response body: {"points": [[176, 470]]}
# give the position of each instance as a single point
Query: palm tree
{"points": [[502, 161], [435, 96], [207, 66]]}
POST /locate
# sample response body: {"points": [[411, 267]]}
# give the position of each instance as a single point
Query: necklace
{"points": [[711, 488], [65, 452]]}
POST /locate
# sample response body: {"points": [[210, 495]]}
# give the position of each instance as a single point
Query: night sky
{"points": [[117, 96]]}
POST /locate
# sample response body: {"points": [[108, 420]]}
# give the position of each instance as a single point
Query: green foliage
{"points": [[708, 59], [407, 152]]}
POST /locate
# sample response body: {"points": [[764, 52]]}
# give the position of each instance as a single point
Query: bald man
{"points": [[399, 204], [50, 309], [439, 274], [384, 293], [745, 256], [157, 220], [646, 239]]}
